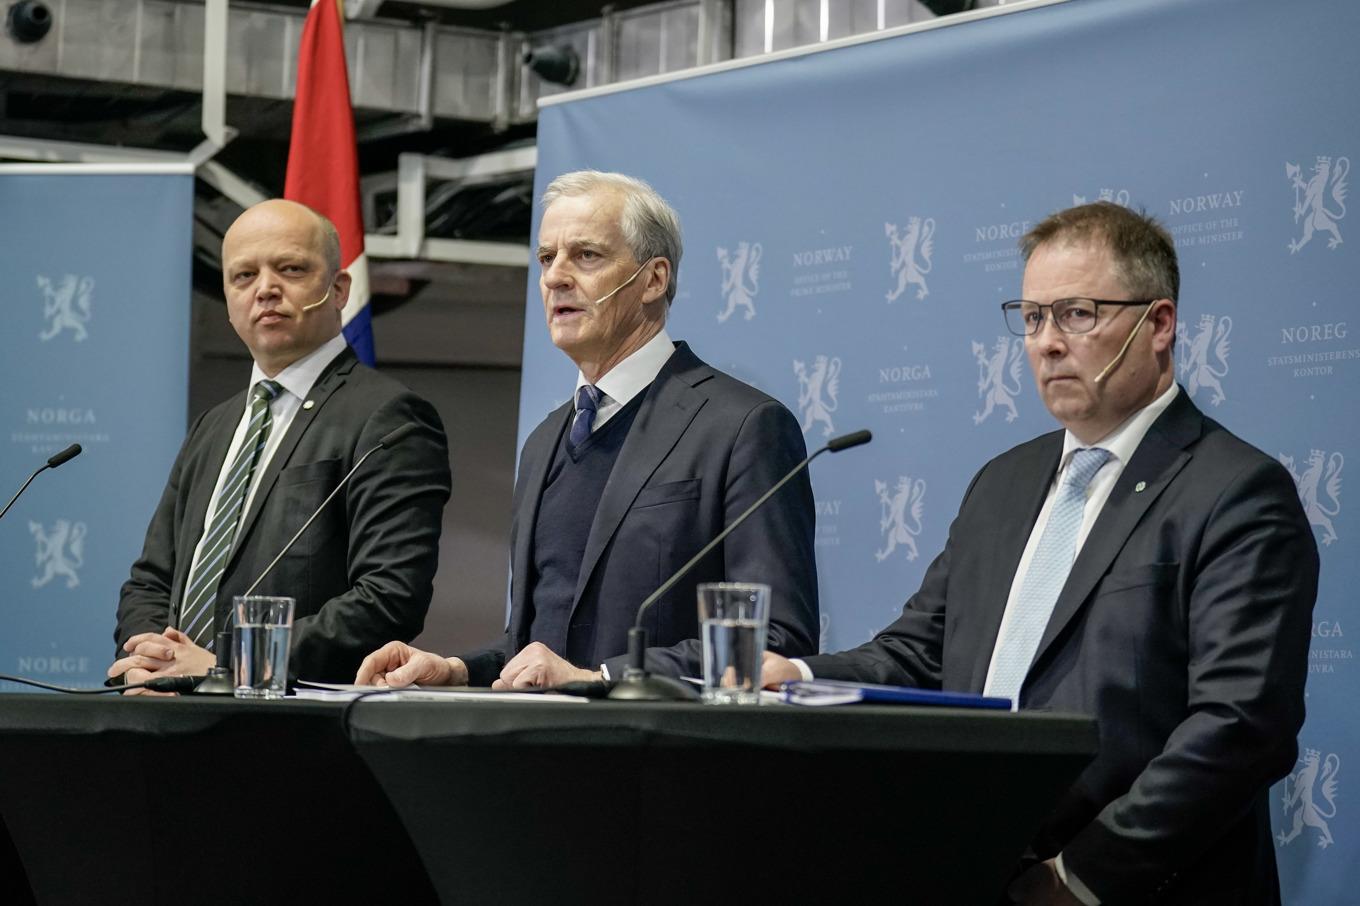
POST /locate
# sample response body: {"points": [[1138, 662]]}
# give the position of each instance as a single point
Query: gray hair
{"points": [[330, 244], [328, 238], [650, 226]]}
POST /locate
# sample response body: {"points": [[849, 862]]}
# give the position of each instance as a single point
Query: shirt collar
{"points": [[299, 377], [631, 376], [1124, 440]]}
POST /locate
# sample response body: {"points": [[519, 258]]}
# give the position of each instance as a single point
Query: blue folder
{"points": [[838, 692]]}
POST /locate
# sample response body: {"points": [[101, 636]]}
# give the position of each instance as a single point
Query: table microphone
{"points": [[389, 439], [156, 684], [637, 684], [218, 680], [64, 456]]}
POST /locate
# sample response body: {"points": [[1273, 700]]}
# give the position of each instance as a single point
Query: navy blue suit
{"points": [[1183, 628], [702, 448]]}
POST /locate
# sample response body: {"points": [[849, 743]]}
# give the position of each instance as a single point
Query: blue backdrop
{"points": [[851, 220], [95, 283]]}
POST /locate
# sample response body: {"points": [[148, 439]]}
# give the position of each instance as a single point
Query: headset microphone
{"points": [[321, 301], [623, 284], [1125, 348]]}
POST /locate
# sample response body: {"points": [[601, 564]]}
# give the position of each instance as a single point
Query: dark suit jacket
{"points": [[362, 572], [1183, 628], [702, 448]]}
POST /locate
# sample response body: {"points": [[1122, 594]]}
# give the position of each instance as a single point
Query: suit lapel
{"points": [[1161, 455], [534, 464], [666, 412], [331, 380], [1014, 523]]}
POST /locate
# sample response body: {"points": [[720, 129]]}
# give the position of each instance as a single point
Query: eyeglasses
{"points": [[1024, 318]]}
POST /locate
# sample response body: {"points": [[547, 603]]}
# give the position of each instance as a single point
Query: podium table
{"points": [[685, 804], [196, 801], [218, 801]]}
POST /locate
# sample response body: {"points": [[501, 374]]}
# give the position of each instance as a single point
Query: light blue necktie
{"points": [[1047, 574]]}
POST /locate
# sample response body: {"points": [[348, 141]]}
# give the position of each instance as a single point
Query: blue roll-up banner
{"points": [[851, 218], [94, 290]]}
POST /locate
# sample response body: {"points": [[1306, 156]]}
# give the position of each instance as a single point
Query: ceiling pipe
{"points": [[355, 9]]}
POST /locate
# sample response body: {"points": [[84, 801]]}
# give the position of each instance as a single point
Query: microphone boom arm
{"points": [[22, 489], [386, 441], [636, 684], [708, 548]]}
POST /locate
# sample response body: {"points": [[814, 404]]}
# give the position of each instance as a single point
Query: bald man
{"points": [[253, 468]]}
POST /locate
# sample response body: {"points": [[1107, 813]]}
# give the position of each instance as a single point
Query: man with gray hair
{"points": [[656, 453]]}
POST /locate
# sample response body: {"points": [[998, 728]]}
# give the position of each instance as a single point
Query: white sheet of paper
{"points": [[316, 691]]}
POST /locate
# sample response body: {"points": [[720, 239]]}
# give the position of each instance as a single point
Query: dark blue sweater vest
{"points": [[571, 494]]}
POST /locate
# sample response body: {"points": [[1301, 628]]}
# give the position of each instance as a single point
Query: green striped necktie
{"points": [[200, 595]]}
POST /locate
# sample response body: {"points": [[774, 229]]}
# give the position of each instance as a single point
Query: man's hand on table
{"points": [[397, 664], [537, 667], [155, 654], [776, 669]]}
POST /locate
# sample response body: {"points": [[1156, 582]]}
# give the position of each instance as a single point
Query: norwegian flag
{"points": [[323, 158]]}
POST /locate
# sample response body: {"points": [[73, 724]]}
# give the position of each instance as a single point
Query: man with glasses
{"points": [[1144, 566]]}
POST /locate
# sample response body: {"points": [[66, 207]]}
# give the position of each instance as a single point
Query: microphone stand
{"points": [[218, 681], [64, 456], [639, 685]]}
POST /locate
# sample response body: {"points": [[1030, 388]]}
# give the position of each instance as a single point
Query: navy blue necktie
{"points": [[587, 402]]}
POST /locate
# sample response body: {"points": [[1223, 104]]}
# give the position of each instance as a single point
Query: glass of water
{"points": [[734, 617], [259, 661]]}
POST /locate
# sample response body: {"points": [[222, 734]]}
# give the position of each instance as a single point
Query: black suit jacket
{"points": [[1183, 628], [702, 448], [362, 573]]}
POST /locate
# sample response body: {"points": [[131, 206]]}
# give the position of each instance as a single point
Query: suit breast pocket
{"points": [[661, 528], [327, 470], [1160, 576], [299, 491], [1132, 599], [670, 492], [1137, 624]]}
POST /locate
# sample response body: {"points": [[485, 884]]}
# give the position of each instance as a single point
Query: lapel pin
{"points": [[310, 403], [1140, 487]]}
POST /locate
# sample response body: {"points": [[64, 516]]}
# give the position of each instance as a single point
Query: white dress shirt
{"points": [[628, 378], [296, 380]]}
